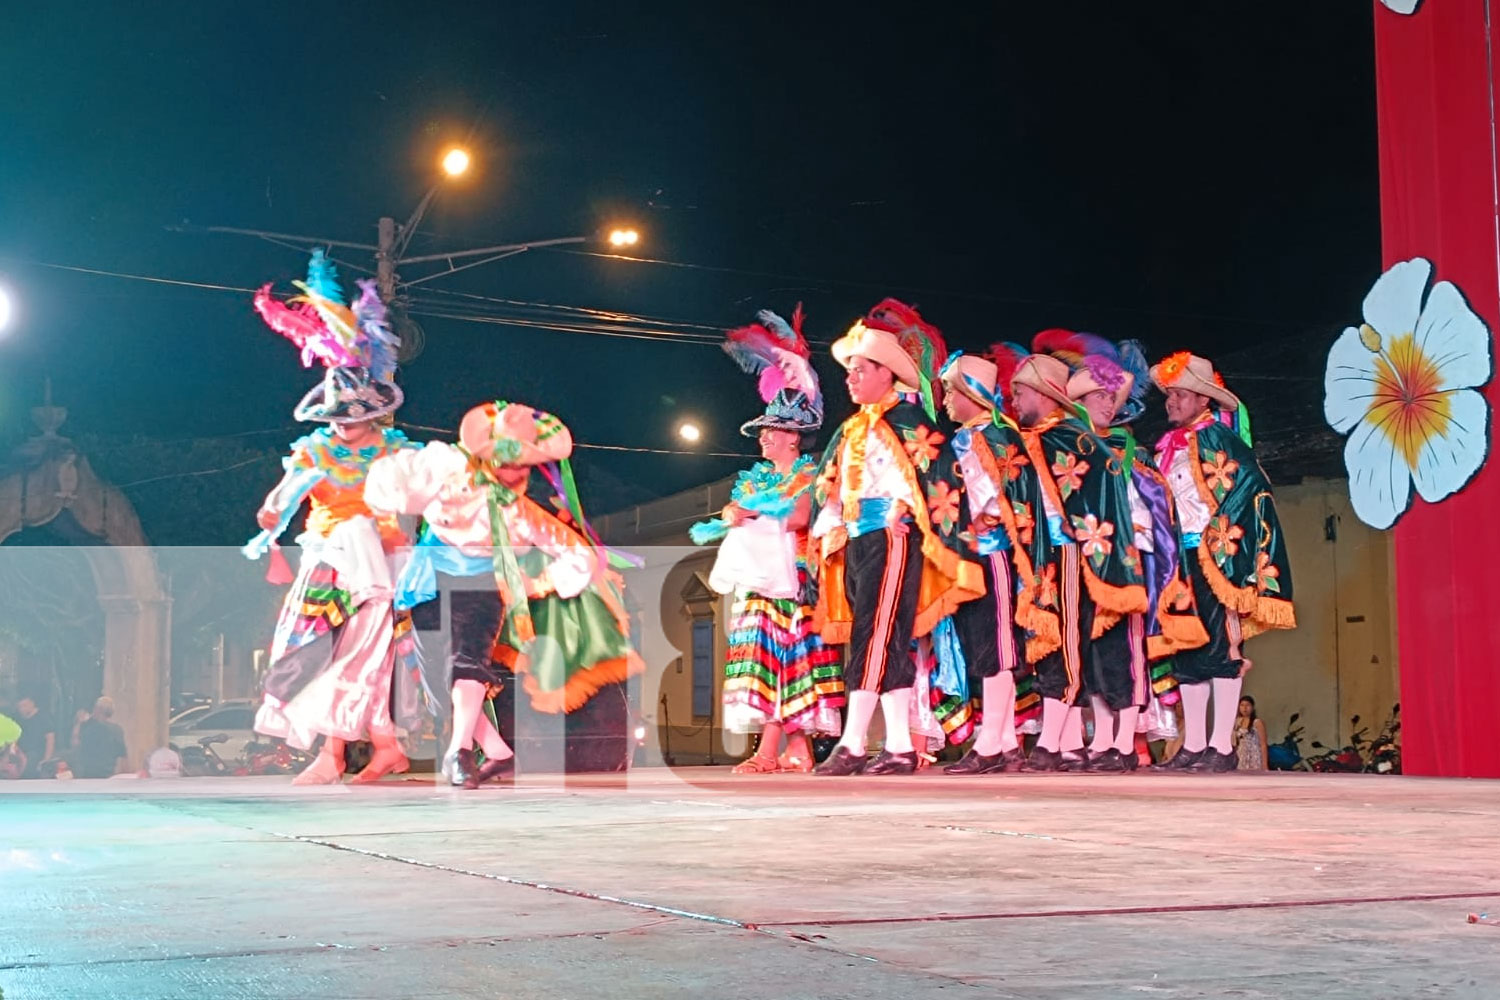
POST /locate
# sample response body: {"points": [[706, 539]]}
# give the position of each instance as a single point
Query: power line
{"points": [[451, 432], [947, 292]]}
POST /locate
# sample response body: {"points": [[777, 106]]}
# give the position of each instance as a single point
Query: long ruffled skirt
{"points": [[778, 670], [335, 646]]}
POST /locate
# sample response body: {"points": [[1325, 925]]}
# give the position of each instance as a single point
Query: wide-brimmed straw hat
{"points": [[1045, 374], [1184, 370], [973, 376]]}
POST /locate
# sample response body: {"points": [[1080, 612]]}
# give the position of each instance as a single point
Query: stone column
{"points": [[137, 669]]}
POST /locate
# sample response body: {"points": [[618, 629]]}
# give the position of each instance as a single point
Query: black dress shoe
{"points": [[1182, 760], [1132, 761], [975, 762], [1043, 760], [1074, 760], [893, 763], [490, 770], [1110, 761], [1214, 762], [842, 762], [1011, 760]]}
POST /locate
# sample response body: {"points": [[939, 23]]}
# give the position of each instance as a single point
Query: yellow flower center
{"points": [[1406, 404]]}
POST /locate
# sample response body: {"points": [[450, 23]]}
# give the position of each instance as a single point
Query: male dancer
{"points": [[1237, 566], [1113, 397], [1088, 571], [1000, 489], [886, 534]]}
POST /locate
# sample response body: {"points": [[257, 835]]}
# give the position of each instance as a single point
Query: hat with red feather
{"points": [[893, 334], [776, 351], [354, 343]]}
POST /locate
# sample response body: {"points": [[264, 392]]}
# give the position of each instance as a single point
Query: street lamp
{"points": [[690, 432], [624, 238], [456, 161]]}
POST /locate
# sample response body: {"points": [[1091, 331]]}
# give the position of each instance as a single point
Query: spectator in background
{"points": [[1249, 738], [38, 740], [100, 752], [11, 760]]}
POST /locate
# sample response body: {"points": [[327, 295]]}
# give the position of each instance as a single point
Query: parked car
{"points": [[235, 719]]}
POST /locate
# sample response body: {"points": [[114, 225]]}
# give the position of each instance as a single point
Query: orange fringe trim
{"points": [[1260, 613], [954, 581], [1178, 631], [579, 688], [1120, 601]]}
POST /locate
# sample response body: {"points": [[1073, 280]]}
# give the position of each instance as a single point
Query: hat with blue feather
{"points": [[776, 351], [355, 344]]}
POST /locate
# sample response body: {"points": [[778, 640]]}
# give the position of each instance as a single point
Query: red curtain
{"points": [[1435, 83]]}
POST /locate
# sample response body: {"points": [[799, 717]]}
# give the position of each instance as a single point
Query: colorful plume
{"points": [[328, 331], [1007, 357], [1072, 347], [921, 341], [777, 352]]}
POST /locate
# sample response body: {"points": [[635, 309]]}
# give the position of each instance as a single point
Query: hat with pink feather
{"points": [[354, 343], [776, 351]]}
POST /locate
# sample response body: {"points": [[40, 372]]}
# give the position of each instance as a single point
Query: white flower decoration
{"points": [[1404, 382]]}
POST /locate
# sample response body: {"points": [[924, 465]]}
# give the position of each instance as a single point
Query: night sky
{"points": [[1195, 175]]}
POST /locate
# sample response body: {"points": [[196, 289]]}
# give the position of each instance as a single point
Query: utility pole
{"points": [[385, 260]]}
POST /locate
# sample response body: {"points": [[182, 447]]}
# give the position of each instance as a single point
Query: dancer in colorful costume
{"points": [[335, 648], [888, 561], [548, 608], [1000, 495], [1088, 574], [1237, 562], [779, 676], [1111, 382]]}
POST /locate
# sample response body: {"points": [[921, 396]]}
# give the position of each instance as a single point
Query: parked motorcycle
{"points": [[1384, 754], [272, 758], [1287, 755], [203, 760]]}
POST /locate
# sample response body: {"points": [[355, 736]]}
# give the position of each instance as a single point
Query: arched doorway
{"points": [[50, 496]]}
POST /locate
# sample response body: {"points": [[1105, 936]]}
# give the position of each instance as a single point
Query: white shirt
{"points": [[982, 494], [884, 478], [435, 481], [1191, 510]]}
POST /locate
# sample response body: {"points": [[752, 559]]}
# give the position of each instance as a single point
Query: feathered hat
{"points": [[777, 352], [1119, 369], [894, 334], [356, 345]]}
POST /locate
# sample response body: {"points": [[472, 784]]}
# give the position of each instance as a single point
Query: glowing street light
{"points": [[624, 238], [690, 432], [5, 311], [456, 161]]}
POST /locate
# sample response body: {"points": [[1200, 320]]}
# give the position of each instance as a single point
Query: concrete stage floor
{"points": [[698, 884]]}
